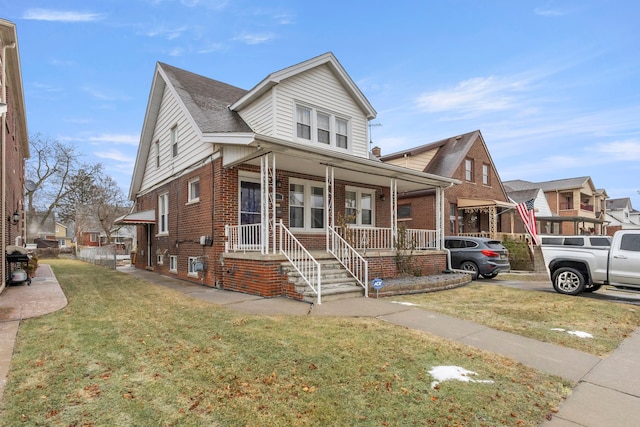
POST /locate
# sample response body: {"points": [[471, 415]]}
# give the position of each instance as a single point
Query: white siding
{"points": [[318, 88], [417, 162], [541, 206], [191, 149]]}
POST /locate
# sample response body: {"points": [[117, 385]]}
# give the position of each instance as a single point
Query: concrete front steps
{"points": [[336, 281]]}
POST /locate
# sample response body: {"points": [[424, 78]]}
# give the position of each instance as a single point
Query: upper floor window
{"points": [[322, 127], [358, 206], [194, 190], [485, 174], [174, 141], [157, 153], [468, 169], [163, 213]]}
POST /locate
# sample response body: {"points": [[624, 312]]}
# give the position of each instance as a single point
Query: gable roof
{"points": [[557, 184], [327, 59], [520, 196], [206, 99], [616, 204]]}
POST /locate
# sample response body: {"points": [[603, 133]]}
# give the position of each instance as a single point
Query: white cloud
{"points": [[479, 94], [548, 12], [61, 16], [628, 150], [127, 139], [115, 155], [168, 33], [104, 95], [254, 38]]}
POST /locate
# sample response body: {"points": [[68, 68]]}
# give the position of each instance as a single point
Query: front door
{"points": [[250, 214]]}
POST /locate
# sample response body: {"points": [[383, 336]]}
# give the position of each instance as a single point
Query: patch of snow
{"points": [[579, 334], [446, 373], [410, 304]]}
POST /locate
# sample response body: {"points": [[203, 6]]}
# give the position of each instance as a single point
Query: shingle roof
{"points": [[207, 100], [519, 196], [557, 184], [614, 204]]}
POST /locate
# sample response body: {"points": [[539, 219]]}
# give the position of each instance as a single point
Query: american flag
{"points": [[525, 209]]}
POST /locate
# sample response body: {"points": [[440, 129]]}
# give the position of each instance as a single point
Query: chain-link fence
{"points": [[109, 256]]}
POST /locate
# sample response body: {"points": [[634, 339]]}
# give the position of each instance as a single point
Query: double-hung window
{"points": [[194, 190], [174, 141], [163, 213], [468, 170], [359, 206], [306, 205], [485, 174], [321, 127]]}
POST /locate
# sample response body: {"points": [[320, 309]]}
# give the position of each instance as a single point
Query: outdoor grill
{"points": [[17, 265]]}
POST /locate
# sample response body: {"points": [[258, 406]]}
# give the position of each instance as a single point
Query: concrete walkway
{"points": [[607, 391]]}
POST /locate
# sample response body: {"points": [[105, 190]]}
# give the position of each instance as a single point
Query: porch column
{"points": [[493, 222], [267, 207], [329, 203], [393, 189], [440, 217]]}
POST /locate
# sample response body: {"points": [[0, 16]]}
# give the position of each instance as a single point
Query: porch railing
{"points": [[301, 260], [349, 258], [376, 238], [422, 239], [243, 238]]}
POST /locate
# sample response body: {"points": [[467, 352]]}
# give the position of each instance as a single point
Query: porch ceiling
{"points": [[291, 157]]}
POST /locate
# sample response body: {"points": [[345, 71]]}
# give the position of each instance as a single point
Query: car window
{"points": [[630, 242], [552, 240], [471, 244], [574, 241], [600, 241], [452, 243], [495, 244]]}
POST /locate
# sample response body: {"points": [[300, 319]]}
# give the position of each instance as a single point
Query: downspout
{"points": [[4, 160]]}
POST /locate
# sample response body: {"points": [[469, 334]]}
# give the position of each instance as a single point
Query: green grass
{"points": [[126, 352], [535, 314]]}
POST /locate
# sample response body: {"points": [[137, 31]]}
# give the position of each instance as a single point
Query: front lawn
{"points": [[126, 352]]}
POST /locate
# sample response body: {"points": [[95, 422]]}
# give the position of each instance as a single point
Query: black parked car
{"points": [[478, 255]]}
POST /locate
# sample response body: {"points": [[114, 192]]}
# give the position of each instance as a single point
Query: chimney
{"points": [[376, 151]]}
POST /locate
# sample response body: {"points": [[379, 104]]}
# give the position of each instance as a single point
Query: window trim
{"points": [[359, 192], [486, 174], [173, 264], [191, 264], [175, 137], [468, 170], [307, 204], [157, 153], [190, 198], [313, 127], [163, 214]]}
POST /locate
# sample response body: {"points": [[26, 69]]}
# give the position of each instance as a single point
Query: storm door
{"points": [[250, 214]]}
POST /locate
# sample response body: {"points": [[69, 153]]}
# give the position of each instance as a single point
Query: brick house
{"points": [[15, 142], [479, 206], [261, 190], [577, 206]]}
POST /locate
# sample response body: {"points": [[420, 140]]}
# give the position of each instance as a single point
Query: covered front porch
{"points": [[304, 202]]}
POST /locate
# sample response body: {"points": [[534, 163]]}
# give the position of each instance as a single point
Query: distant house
{"points": [[478, 206], [15, 142], [577, 207], [621, 215], [250, 189], [535, 199], [64, 235]]}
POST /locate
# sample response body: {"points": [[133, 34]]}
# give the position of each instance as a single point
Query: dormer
{"points": [[314, 103]]}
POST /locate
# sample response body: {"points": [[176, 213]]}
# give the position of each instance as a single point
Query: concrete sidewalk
{"points": [[607, 391]]}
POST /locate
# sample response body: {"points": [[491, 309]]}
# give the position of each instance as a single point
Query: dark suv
{"points": [[478, 255]]}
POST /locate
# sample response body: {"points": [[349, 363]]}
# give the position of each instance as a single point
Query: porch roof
{"points": [[143, 217], [483, 203], [313, 161]]}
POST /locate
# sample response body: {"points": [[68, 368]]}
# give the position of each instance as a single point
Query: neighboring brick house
{"points": [[479, 206], [620, 215], [229, 185], [14, 140], [577, 207]]}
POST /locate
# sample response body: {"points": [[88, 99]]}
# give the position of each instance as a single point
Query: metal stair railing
{"points": [[349, 258], [301, 260]]}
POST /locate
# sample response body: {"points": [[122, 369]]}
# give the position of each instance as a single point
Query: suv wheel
{"points": [[471, 268]]}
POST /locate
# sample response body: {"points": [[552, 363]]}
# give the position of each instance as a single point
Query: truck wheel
{"points": [[568, 281]]}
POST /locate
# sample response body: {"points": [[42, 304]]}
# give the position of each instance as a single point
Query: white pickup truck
{"points": [[576, 269]]}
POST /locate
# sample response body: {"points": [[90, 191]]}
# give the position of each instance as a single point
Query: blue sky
{"points": [[554, 86]]}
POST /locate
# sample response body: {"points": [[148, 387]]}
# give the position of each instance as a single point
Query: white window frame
{"points": [[190, 185], [159, 259], [308, 204], [174, 141], [485, 174], [468, 169], [359, 192], [191, 269], [334, 120], [163, 214], [173, 263], [157, 153]]}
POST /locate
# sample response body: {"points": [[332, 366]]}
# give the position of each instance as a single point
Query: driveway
{"points": [[605, 293]]}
